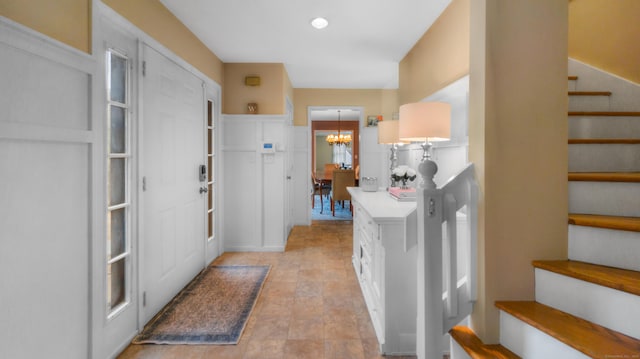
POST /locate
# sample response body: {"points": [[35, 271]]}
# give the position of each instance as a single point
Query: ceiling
{"points": [[361, 47]]}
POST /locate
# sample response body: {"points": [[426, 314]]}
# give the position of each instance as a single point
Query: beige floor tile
{"points": [[311, 275], [340, 327], [304, 349], [223, 352], [339, 306], [309, 288], [341, 349], [274, 306], [308, 307], [279, 289], [271, 328], [306, 328], [284, 273], [337, 289], [264, 349]]}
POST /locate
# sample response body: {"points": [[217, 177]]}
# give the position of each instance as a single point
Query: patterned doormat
{"points": [[212, 309]]}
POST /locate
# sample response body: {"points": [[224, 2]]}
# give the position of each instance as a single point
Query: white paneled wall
{"points": [[301, 165], [46, 143], [254, 183]]}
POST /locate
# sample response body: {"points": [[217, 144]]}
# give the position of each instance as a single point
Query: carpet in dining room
{"points": [[341, 214]]}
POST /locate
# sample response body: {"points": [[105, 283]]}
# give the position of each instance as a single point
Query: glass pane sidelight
{"points": [[118, 247], [211, 204]]}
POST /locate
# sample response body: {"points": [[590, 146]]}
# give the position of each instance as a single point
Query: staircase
{"points": [[587, 306]]}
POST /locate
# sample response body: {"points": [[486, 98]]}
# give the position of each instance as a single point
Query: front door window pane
{"points": [[117, 130], [118, 79], [117, 233], [116, 294], [117, 181]]}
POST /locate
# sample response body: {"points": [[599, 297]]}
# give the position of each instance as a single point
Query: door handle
{"points": [[204, 190]]}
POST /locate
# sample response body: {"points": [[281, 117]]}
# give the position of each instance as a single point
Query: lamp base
{"points": [[427, 168], [393, 161]]}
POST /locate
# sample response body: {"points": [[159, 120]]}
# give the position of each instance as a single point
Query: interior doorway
{"points": [[322, 122], [327, 120], [322, 152]]}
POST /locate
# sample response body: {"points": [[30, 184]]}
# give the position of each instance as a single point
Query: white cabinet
{"points": [[384, 258]]}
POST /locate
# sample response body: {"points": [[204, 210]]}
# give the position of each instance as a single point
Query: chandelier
{"points": [[339, 139]]}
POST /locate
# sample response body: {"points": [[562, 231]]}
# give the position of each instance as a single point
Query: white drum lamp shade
{"points": [[425, 122]]}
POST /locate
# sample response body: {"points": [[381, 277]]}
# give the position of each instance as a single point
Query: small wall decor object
{"points": [[252, 108], [252, 80], [372, 121]]}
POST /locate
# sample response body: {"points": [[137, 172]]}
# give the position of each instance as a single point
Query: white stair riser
{"points": [[604, 127], [606, 198], [531, 343], [608, 307], [608, 247], [589, 103], [604, 158], [625, 93], [456, 351], [573, 85]]}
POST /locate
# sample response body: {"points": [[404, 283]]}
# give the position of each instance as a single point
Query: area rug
{"points": [[342, 214], [212, 309]]}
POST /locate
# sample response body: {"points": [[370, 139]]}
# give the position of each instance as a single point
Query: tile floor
{"points": [[310, 307]]}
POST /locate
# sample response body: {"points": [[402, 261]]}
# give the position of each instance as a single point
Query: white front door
{"points": [[173, 213]]}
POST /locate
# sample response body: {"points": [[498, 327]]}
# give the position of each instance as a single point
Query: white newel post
{"points": [[430, 325]]}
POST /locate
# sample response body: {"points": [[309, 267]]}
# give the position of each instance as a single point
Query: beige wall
{"points": [[439, 58], [288, 87], [68, 21], [156, 20], [518, 141], [375, 102], [270, 95], [606, 35]]}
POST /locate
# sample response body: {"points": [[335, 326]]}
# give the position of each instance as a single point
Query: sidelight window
{"points": [[118, 162]]}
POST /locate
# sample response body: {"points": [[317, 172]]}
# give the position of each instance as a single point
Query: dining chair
{"points": [[328, 171], [341, 179], [317, 189]]}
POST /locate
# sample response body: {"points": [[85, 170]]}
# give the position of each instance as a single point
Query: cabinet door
{"points": [[377, 272]]}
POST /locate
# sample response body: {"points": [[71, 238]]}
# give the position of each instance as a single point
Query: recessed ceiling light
{"points": [[319, 23]]}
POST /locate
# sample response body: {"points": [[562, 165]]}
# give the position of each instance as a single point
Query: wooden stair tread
{"points": [[589, 93], [476, 349], [573, 78], [589, 338], [605, 176], [604, 141], [615, 278], [609, 222], [605, 113]]}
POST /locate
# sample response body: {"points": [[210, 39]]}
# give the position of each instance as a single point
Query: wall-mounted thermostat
{"points": [[268, 147]]}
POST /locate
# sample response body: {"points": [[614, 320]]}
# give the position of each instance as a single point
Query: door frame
{"points": [[311, 141]]}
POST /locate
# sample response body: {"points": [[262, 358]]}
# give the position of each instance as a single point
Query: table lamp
{"points": [[388, 135], [425, 122]]}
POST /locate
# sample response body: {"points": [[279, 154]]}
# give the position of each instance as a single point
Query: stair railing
{"points": [[447, 257]]}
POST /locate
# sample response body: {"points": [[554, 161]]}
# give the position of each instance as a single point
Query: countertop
{"points": [[381, 206]]}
